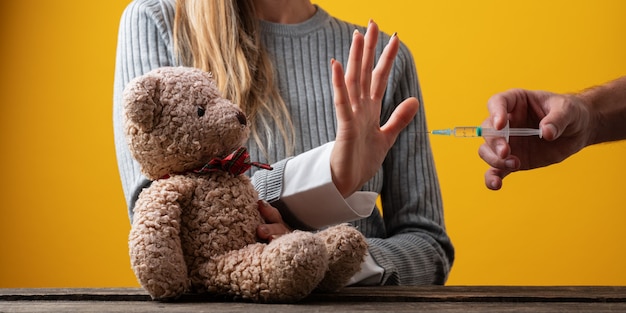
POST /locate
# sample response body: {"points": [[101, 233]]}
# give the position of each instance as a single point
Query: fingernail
{"points": [[370, 22], [510, 164], [332, 61], [496, 118], [263, 229], [550, 128], [355, 32], [395, 35], [494, 185]]}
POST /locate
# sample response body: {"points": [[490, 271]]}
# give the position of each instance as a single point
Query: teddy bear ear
{"points": [[141, 102]]}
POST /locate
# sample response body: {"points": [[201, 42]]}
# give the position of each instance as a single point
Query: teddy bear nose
{"points": [[242, 118]]}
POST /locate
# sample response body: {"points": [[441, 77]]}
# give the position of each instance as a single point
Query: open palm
{"points": [[361, 143]]}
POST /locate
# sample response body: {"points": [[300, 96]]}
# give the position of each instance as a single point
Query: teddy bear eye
{"points": [[200, 111]]}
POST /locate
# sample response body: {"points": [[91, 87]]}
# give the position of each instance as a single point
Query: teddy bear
{"points": [[194, 228]]}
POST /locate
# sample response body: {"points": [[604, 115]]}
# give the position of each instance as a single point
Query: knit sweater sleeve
{"points": [[144, 43]]}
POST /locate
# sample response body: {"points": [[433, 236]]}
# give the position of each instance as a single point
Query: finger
{"points": [[488, 155], [499, 146], [380, 75], [353, 69], [400, 118], [341, 98], [275, 226], [499, 105], [369, 53], [493, 178], [271, 231], [509, 163], [558, 118], [269, 213]]}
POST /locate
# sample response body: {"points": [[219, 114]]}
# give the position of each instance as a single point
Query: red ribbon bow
{"points": [[235, 163]]}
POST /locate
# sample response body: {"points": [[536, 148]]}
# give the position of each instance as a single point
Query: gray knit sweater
{"points": [[410, 242]]}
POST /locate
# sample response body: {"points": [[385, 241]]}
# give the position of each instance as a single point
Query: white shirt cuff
{"points": [[311, 196], [370, 274]]}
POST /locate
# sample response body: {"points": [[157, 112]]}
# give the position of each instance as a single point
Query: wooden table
{"points": [[353, 299]]}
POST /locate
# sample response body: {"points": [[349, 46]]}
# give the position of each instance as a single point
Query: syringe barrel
{"points": [[466, 131]]}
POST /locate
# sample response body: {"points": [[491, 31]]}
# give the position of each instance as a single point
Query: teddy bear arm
{"points": [[155, 245]]}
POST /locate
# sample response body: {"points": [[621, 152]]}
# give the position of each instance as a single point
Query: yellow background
{"points": [[64, 223]]}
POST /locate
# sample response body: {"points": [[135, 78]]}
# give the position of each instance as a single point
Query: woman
{"points": [[272, 58]]}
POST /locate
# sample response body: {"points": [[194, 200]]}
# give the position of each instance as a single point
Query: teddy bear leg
{"points": [[346, 248], [157, 257], [285, 270]]}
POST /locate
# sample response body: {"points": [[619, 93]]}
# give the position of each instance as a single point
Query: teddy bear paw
{"points": [[293, 265], [346, 248]]}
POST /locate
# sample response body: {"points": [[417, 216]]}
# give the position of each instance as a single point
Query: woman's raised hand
{"points": [[361, 143]]}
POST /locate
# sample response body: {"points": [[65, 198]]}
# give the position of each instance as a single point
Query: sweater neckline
{"points": [[317, 21]]}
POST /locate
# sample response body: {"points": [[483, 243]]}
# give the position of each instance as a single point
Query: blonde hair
{"points": [[222, 36]]}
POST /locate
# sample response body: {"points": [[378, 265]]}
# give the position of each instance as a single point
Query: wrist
{"points": [[585, 101], [342, 186], [606, 105]]}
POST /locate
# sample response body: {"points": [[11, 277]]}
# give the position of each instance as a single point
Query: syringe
{"points": [[478, 131]]}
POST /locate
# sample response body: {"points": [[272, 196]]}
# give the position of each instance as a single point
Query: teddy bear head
{"points": [[177, 121]]}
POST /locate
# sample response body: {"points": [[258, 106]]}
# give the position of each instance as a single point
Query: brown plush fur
{"points": [[197, 232]]}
